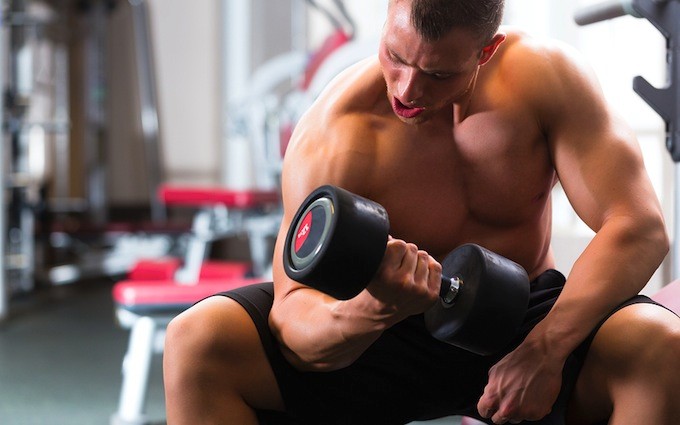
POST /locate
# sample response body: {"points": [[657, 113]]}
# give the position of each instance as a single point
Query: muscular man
{"points": [[461, 131]]}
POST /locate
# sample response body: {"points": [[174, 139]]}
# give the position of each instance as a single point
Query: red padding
{"points": [[224, 269], [145, 294], [165, 269], [158, 269], [205, 196]]}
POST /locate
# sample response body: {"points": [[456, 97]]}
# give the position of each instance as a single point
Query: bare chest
{"points": [[484, 181]]}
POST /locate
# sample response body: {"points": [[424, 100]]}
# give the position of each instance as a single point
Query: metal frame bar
{"points": [[236, 39], [148, 102], [4, 287]]}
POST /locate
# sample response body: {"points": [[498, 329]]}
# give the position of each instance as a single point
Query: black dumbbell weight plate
{"points": [[336, 242], [491, 304]]}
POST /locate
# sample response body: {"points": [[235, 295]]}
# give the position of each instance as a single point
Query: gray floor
{"points": [[60, 360]]}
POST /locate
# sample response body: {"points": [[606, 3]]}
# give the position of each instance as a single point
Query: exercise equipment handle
{"points": [[604, 11], [449, 289]]}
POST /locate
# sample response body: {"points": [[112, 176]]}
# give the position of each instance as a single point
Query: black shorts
{"points": [[406, 375]]}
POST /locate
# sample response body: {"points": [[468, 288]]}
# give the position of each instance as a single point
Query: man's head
{"points": [[433, 19], [431, 50]]}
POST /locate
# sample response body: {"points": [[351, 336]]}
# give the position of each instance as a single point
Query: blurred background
{"points": [[141, 150]]}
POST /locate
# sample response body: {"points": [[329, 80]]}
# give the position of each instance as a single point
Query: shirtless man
{"points": [[460, 131]]}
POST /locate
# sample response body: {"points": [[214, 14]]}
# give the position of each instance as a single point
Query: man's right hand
{"points": [[408, 280]]}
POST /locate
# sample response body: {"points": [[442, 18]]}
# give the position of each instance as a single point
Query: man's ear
{"points": [[491, 47]]}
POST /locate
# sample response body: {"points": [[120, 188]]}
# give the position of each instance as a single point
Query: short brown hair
{"points": [[435, 18]]}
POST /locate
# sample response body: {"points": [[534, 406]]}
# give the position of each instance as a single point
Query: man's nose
{"points": [[410, 85]]}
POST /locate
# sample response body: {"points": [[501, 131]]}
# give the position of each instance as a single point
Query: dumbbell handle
{"points": [[450, 289]]}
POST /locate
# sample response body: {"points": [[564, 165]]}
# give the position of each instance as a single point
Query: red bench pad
{"points": [[160, 296], [205, 196], [224, 270], [154, 269], [165, 268]]}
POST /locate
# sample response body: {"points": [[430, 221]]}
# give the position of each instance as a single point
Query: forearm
{"points": [[324, 333], [614, 267]]}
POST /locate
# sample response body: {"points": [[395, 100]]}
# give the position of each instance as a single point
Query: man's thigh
{"points": [[214, 361], [631, 348]]}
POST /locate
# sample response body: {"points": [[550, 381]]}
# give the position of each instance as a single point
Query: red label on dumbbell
{"points": [[303, 231], [309, 232]]}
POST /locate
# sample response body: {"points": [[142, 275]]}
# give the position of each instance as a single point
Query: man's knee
{"points": [[661, 354], [215, 348], [216, 328], [189, 343], [636, 348], [215, 369], [639, 339]]}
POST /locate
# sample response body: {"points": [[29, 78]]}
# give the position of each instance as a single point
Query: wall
{"points": [[186, 37], [188, 56]]}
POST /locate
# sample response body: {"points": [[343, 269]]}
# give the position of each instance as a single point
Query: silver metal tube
{"points": [[237, 49], [604, 11], [4, 286], [146, 77]]}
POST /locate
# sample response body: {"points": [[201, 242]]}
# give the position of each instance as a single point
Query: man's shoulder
{"points": [[540, 69], [351, 98], [523, 50], [342, 111]]}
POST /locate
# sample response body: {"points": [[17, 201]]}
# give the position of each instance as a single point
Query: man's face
{"points": [[423, 77]]}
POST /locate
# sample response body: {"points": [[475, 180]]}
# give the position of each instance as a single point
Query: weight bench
{"points": [[157, 290], [146, 307], [223, 213]]}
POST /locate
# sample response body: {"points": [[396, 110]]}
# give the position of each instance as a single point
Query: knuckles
{"points": [[402, 268], [493, 408]]}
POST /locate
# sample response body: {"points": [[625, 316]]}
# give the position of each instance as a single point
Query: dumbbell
{"points": [[336, 243]]}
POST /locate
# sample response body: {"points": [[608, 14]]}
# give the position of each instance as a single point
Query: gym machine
{"points": [[113, 251], [4, 290], [35, 105], [665, 16], [38, 212]]}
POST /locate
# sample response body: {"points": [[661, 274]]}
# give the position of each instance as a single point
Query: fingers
{"points": [[497, 418], [411, 259], [490, 407], [411, 266], [434, 282], [401, 255], [422, 269], [503, 411], [394, 253], [487, 406]]}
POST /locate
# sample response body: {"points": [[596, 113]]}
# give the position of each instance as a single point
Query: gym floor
{"points": [[60, 359]]}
